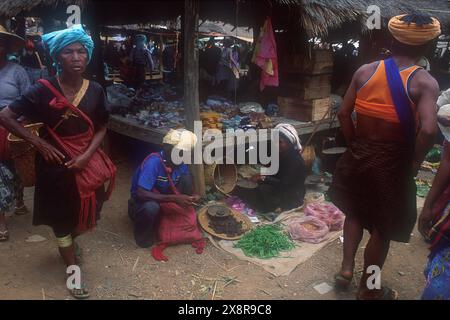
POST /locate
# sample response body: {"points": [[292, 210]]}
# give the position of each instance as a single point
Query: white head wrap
{"points": [[290, 132], [444, 112], [181, 139]]}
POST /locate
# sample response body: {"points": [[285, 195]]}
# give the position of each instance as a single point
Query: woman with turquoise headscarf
{"points": [[141, 58], [71, 169]]}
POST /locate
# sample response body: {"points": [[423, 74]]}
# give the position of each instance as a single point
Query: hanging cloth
{"points": [[265, 56]]}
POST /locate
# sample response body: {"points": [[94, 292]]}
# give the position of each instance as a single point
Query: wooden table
{"points": [[131, 128]]}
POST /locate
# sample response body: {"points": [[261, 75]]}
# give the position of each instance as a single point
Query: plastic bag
{"points": [[248, 107], [327, 213], [308, 229], [239, 205]]}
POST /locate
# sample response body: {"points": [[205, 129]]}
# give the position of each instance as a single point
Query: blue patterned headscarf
{"points": [[57, 40]]}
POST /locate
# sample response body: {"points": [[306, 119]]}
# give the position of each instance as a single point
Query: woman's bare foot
{"points": [[344, 277]]}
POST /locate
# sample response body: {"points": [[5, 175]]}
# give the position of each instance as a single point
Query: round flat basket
{"points": [[203, 219]]}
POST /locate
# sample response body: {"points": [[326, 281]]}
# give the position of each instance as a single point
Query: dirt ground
{"points": [[115, 268]]}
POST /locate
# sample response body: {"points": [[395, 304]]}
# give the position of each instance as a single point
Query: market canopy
{"points": [[316, 17]]}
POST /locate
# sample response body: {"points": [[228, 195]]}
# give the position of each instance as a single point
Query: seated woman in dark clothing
{"points": [[286, 189]]}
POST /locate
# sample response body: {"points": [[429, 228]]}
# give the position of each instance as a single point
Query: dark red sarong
{"points": [[374, 183]]}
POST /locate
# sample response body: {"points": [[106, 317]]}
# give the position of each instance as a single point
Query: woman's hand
{"points": [[183, 200], [49, 152], [425, 219], [257, 178], [77, 163]]}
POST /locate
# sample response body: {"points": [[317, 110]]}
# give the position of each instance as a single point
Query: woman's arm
{"points": [[181, 199], [81, 161], [426, 108], [440, 183], [50, 153]]}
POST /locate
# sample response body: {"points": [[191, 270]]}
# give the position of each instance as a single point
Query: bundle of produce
{"points": [[211, 120], [435, 154], [308, 229], [232, 123], [423, 187], [265, 242], [222, 221]]}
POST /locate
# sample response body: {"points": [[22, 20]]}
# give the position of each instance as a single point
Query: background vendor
{"points": [[141, 58], [286, 189], [150, 186]]}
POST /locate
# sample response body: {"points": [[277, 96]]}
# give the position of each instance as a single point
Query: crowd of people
{"points": [[395, 102]]}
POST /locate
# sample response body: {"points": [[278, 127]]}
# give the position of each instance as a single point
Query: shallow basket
{"points": [[23, 154], [223, 177]]}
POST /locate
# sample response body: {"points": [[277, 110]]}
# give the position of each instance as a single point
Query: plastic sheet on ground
{"points": [[288, 261]]}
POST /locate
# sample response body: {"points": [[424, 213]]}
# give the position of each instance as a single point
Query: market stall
{"points": [[149, 115]]}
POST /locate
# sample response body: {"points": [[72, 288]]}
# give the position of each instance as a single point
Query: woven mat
{"points": [[288, 261]]}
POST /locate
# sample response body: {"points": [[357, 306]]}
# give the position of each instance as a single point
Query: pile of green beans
{"points": [[265, 242]]}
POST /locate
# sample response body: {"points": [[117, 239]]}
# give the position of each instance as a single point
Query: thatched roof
{"points": [[316, 17], [10, 8]]}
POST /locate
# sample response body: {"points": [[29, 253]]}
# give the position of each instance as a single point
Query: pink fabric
{"points": [[266, 52]]}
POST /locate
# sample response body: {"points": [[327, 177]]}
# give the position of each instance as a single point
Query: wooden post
{"points": [[191, 99]]}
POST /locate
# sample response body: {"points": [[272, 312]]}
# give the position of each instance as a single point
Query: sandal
{"points": [[4, 236], [386, 294], [80, 294], [20, 211], [341, 282]]}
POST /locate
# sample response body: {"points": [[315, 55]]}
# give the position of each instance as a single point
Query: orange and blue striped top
{"points": [[374, 99]]}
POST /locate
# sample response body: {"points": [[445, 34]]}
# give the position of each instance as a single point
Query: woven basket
{"points": [[24, 154], [223, 177], [309, 155], [203, 219]]}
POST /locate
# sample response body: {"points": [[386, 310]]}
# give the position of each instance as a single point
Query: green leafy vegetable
{"points": [[265, 242]]}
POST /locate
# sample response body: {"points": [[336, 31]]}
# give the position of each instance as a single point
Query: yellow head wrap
{"points": [[181, 139], [413, 34]]}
